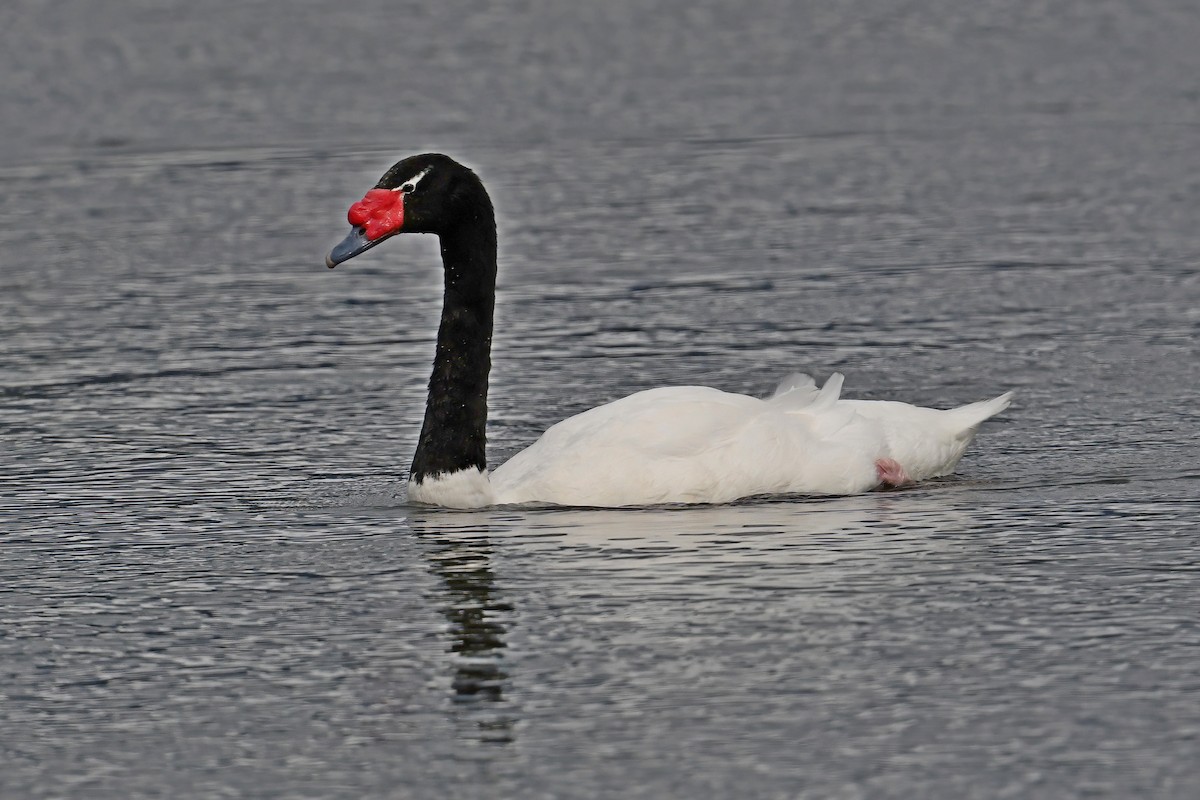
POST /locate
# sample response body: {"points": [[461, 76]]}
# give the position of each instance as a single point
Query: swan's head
{"points": [[429, 193]]}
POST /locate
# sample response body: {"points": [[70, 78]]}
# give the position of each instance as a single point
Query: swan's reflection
{"points": [[460, 555], [821, 547]]}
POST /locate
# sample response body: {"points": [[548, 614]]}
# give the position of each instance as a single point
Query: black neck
{"points": [[453, 436]]}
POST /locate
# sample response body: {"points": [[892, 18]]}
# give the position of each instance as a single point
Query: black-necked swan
{"points": [[682, 444]]}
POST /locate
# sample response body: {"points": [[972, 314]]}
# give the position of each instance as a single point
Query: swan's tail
{"points": [[967, 418]]}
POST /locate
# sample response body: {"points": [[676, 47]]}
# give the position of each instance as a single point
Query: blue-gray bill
{"points": [[356, 242]]}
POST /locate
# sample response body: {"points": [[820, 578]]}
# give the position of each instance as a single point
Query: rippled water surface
{"points": [[210, 584]]}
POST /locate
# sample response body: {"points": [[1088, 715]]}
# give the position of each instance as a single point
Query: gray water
{"points": [[211, 586]]}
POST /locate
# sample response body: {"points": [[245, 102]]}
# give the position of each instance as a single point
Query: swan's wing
{"points": [[676, 422], [693, 444], [636, 450]]}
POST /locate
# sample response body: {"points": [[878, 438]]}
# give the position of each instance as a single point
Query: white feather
{"points": [[468, 488]]}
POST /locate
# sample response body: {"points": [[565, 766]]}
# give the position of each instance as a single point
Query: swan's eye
{"points": [[410, 185]]}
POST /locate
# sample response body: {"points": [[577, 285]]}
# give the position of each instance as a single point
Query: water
{"points": [[211, 585]]}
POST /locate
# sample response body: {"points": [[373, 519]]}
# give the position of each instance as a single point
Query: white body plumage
{"points": [[693, 444]]}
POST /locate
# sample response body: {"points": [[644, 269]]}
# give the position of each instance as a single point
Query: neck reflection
{"points": [[477, 614]]}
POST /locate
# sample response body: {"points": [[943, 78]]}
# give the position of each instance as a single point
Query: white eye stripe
{"points": [[414, 180]]}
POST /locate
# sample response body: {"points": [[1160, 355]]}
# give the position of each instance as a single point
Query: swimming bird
{"points": [[681, 444]]}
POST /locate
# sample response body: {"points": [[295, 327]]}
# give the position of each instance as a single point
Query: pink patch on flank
{"points": [[380, 212], [890, 472]]}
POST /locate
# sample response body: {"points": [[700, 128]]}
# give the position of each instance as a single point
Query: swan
{"points": [[681, 444]]}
